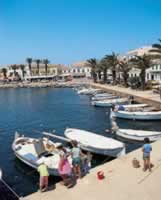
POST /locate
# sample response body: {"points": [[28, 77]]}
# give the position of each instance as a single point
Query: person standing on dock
{"points": [[44, 175], [76, 156], [147, 148]]}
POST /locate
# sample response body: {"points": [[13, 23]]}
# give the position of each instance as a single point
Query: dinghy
{"points": [[32, 152], [109, 102], [104, 97], [88, 91], [96, 143], [138, 135], [137, 115]]}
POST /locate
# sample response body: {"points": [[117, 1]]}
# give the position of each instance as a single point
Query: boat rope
{"points": [[10, 188]]}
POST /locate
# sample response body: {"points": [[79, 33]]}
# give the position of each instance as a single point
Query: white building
{"points": [[154, 72]]}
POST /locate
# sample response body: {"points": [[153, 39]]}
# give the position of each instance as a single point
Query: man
{"points": [[44, 175]]}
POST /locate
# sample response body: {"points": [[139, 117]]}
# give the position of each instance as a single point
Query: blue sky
{"points": [[66, 31]]}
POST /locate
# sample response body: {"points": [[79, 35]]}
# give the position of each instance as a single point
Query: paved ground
{"points": [[143, 96], [122, 182]]}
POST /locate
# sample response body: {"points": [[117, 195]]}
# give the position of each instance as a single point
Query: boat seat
{"points": [[30, 156]]}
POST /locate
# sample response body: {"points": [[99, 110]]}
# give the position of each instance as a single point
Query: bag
{"points": [[135, 163]]}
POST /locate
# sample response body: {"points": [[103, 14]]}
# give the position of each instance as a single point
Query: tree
{"points": [[104, 66], [157, 48], [4, 71], [46, 62], [125, 67], [142, 62], [38, 61], [113, 62], [22, 67], [93, 64], [29, 61], [14, 67]]}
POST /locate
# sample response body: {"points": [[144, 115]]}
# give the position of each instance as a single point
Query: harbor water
{"points": [[30, 110]]}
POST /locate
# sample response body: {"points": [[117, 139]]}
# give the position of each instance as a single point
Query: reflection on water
{"points": [[26, 110]]}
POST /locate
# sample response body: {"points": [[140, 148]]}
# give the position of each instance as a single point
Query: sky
{"points": [[67, 31]]}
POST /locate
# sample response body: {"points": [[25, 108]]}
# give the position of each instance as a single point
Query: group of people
{"points": [[69, 172]]}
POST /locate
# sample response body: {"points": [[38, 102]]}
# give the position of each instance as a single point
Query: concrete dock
{"points": [[122, 181], [146, 96]]}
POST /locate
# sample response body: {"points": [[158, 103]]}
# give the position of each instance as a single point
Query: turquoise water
{"points": [[27, 110]]}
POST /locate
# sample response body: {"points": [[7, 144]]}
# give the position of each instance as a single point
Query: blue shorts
{"points": [[76, 161], [146, 156]]}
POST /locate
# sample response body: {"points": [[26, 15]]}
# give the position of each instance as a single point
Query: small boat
{"points": [[110, 96], [102, 95], [138, 135], [32, 151], [95, 143], [130, 106], [109, 102], [137, 115], [88, 91]]}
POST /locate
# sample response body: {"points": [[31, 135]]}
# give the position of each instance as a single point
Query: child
{"points": [[44, 175], [76, 159], [147, 148]]}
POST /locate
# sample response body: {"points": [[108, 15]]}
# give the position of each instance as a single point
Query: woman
{"points": [[64, 167]]}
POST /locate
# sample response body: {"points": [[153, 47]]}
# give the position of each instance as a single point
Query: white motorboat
{"points": [[130, 107], [88, 91], [137, 115], [32, 151], [96, 143], [110, 96], [109, 102], [138, 135]]}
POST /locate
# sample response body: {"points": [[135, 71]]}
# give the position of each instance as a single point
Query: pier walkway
{"points": [[146, 96], [122, 182]]}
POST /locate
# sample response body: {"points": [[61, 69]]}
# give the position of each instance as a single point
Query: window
{"points": [[156, 67], [147, 76], [73, 70], [83, 71], [78, 70]]}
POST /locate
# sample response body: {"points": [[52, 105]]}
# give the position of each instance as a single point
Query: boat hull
{"points": [[137, 137], [84, 139], [136, 115]]}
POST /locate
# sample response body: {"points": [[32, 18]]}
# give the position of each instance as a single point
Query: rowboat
{"points": [[95, 143], [137, 115], [88, 91], [130, 107], [110, 96], [109, 102], [32, 152], [138, 135]]}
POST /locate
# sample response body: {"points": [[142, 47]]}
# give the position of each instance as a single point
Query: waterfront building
{"points": [[154, 72]]}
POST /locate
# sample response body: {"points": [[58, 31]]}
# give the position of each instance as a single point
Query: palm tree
{"points": [[93, 64], [4, 71], [38, 61], [14, 67], [125, 67], [29, 61], [22, 67], [104, 64], [46, 62], [113, 62], [157, 48], [142, 62]]}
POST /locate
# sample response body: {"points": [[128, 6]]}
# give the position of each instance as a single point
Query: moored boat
{"points": [[88, 91], [137, 115], [95, 143], [109, 102], [138, 135], [110, 96], [32, 151]]}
